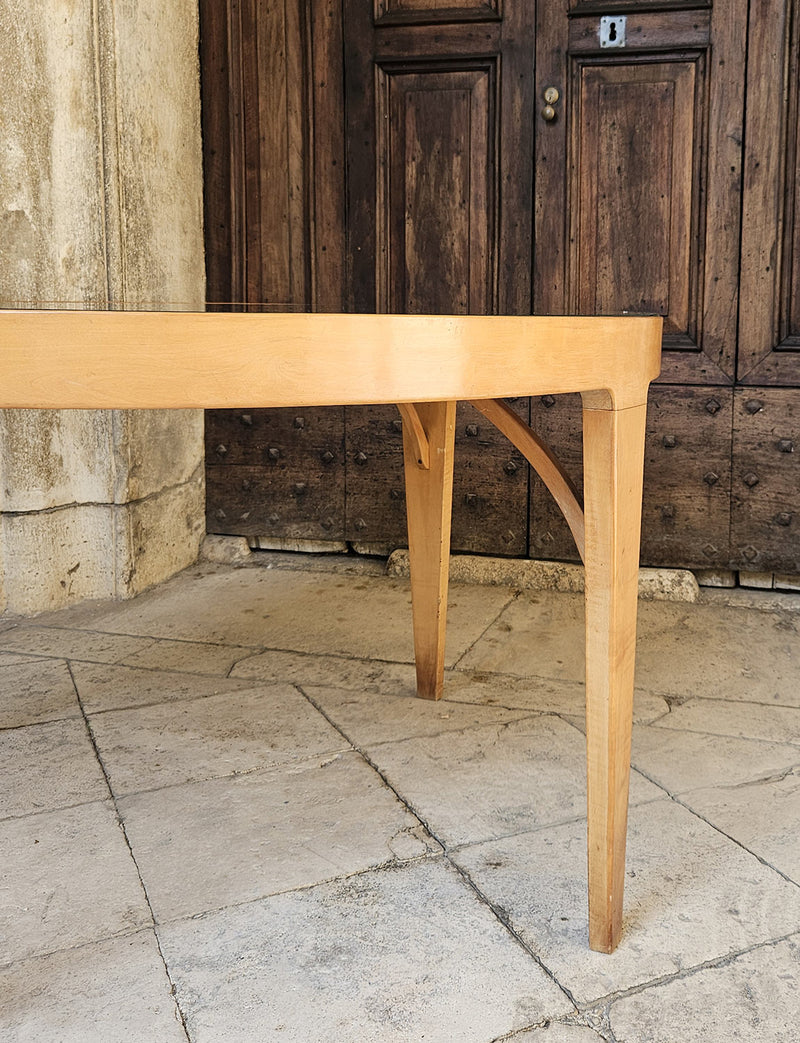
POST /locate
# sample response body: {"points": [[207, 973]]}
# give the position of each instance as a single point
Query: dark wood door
{"points": [[640, 166], [439, 117], [638, 175], [401, 156]]}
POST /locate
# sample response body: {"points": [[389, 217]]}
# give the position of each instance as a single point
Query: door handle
{"points": [[551, 96]]}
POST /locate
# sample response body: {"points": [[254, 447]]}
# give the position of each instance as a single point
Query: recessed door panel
{"points": [[635, 164], [638, 172], [397, 12], [440, 180], [435, 190]]}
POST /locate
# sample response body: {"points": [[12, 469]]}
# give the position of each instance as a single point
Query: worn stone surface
{"points": [[158, 536], [149, 59], [538, 693], [557, 1032], [155, 450], [107, 992], [47, 766], [494, 780], [100, 205], [681, 762], [227, 734], [37, 690], [742, 655], [756, 580], [105, 687], [211, 844], [397, 955], [395, 944], [729, 653], [346, 673], [761, 814], [68, 879], [739, 719], [225, 550], [318, 613], [716, 577], [194, 657], [52, 458], [365, 721], [52, 249], [750, 998], [691, 896], [524, 574], [539, 634], [90, 551], [58, 557], [64, 642]]}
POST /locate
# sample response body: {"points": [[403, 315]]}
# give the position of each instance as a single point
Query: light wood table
{"points": [[174, 360]]}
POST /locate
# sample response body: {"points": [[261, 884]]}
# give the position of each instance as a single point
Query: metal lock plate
{"points": [[612, 30]]}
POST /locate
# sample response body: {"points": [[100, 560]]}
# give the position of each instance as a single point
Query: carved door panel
{"points": [[638, 170], [637, 209], [439, 160], [508, 156]]}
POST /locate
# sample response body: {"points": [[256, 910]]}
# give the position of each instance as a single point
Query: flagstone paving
{"points": [[225, 818]]}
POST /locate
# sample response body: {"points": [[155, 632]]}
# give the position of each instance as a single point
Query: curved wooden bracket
{"points": [[413, 426], [542, 460]]}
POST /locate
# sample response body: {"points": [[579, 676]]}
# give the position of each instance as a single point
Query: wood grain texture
{"points": [[165, 360], [490, 488], [633, 245], [87, 360], [435, 213], [769, 321], [277, 472], [765, 512], [613, 456], [670, 204], [217, 144], [429, 496], [541, 458], [398, 12], [326, 180], [687, 477]]}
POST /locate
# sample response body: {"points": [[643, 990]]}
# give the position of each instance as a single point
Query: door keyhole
{"points": [[612, 30]]}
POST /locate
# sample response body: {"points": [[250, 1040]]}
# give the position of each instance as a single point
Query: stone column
{"points": [[100, 205]]}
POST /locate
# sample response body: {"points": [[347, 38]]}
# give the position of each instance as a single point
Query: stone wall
{"points": [[100, 205]]}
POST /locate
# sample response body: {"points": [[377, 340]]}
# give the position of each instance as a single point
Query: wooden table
{"points": [[425, 364]]}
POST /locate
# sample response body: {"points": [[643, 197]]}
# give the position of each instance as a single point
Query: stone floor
{"points": [[224, 817]]}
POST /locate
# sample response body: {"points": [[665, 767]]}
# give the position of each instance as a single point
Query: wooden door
{"points": [[765, 508], [400, 155], [439, 118], [274, 223], [638, 174]]}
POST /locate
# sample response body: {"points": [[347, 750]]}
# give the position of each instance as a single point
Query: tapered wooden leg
{"points": [[613, 461], [429, 501]]}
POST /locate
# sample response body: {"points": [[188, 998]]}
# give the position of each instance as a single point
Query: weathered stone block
{"points": [[158, 536], [100, 205], [149, 59], [51, 186], [58, 557], [155, 449], [52, 458]]}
